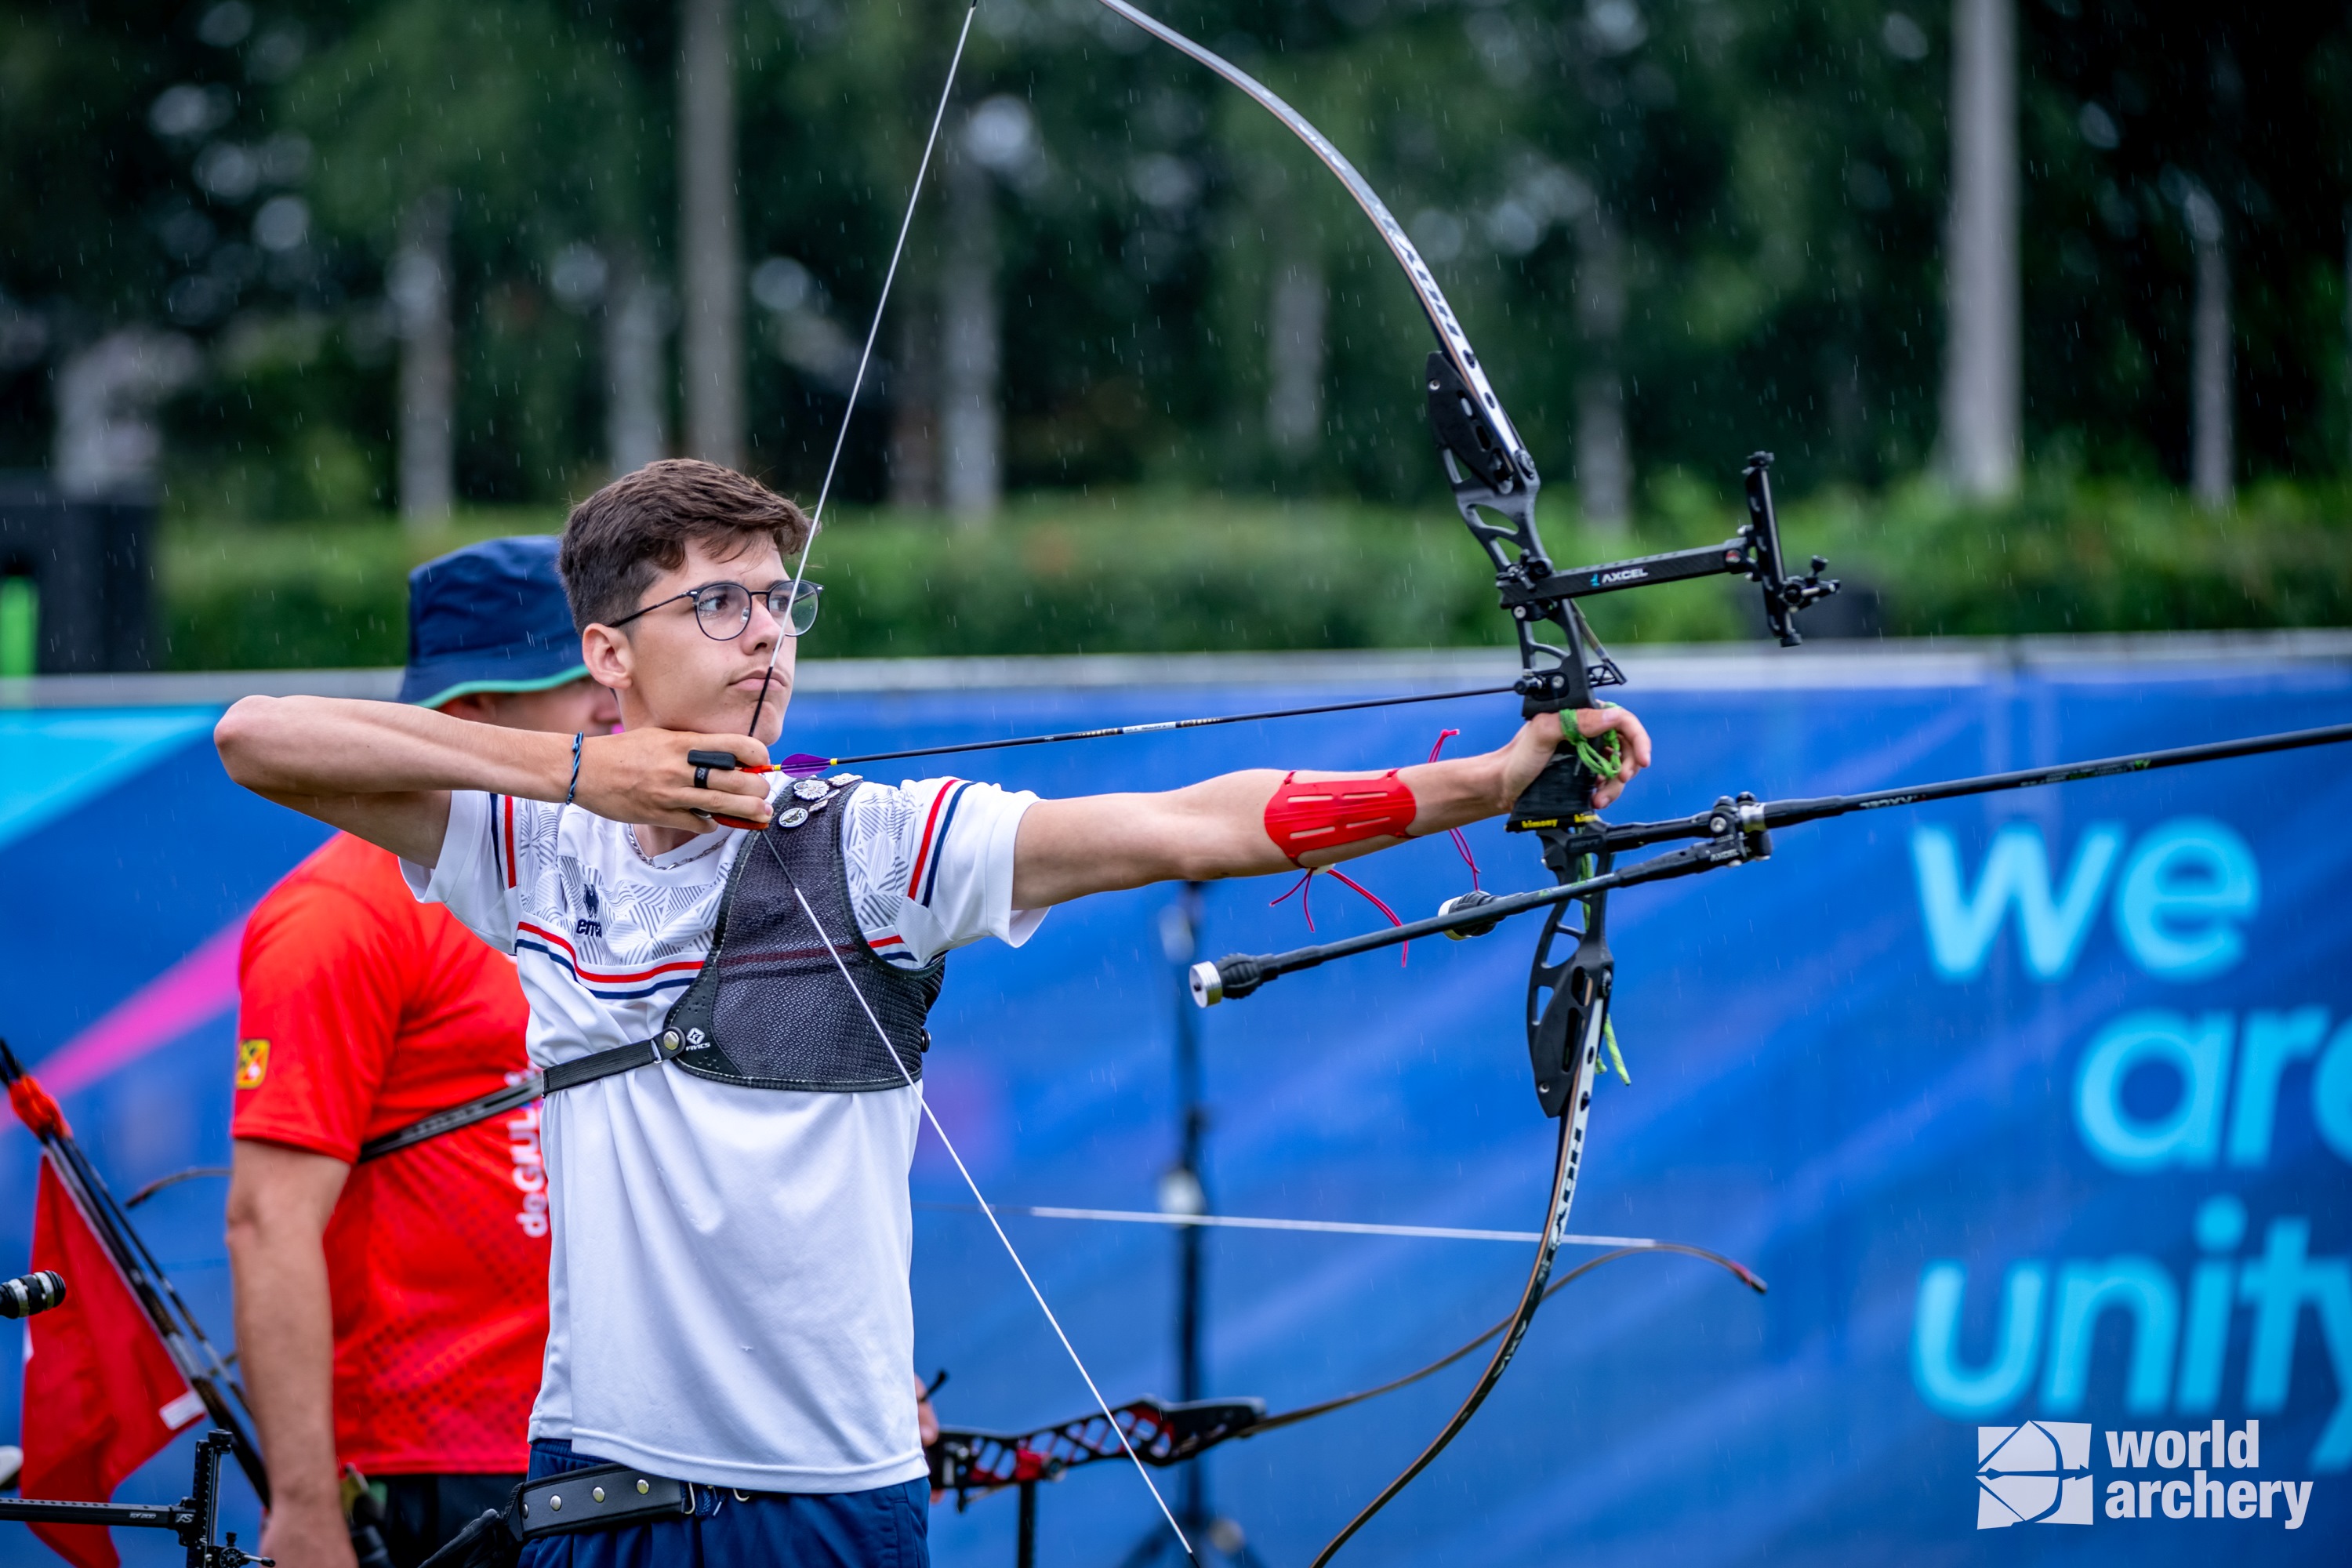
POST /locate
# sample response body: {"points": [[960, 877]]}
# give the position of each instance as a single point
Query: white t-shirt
{"points": [[728, 1292]]}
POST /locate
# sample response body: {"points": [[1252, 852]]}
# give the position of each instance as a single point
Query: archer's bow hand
{"points": [[1540, 737], [1632, 748]]}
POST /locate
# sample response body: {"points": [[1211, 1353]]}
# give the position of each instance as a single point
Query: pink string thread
{"points": [[1306, 880], [1461, 845]]}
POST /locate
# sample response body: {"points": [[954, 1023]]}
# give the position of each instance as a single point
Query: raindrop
{"points": [[225, 25], [282, 224], [412, 282], [227, 171], [1165, 181], [1551, 193], [188, 110], [1501, 51], [285, 159], [1439, 233], [1001, 134], [276, 53], [578, 275], [1903, 39], [235, 264], [782, 285], [1513, 228], [186, 234], [196, 299], [1615, 27], [2203, 216], [2116, 211]]}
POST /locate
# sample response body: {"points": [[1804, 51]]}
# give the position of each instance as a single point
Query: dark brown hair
{"points": [[636, 528]]}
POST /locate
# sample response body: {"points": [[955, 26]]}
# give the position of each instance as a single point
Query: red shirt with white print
{"points": [[361, 1011]]}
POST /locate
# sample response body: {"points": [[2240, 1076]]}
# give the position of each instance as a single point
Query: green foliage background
{"points": [[1145, 572], [1777, 168]]}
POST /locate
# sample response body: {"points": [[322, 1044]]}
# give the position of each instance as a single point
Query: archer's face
{"points": [[670, 676]]}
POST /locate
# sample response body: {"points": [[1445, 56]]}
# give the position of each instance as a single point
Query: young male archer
{"points": [[729, 1295]]}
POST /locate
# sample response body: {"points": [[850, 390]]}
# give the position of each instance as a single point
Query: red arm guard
{"points": [[1330, 812]]}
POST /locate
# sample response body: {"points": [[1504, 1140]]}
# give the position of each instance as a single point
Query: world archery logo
{"points": [[2038, 1473]]}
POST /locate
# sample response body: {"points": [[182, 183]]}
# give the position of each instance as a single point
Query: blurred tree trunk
{"points": [[1294, 310], [2211, 457], [108, 444], [419, 284], [636, 420], [710, 272], [914, 402], [1605, 458], [1982, 379], [971, 421]]}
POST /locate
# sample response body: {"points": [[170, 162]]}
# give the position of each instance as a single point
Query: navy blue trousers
{"points": [[887, 1527]]}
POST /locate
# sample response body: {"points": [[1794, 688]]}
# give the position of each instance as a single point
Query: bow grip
{"points": [[1560, 795]]}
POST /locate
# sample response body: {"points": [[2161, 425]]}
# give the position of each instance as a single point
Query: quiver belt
{"points": [[598, 1497]]}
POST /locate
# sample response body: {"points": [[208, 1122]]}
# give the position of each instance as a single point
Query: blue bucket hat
{"points": [[489, 617]]}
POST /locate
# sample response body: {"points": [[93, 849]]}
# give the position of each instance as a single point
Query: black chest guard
{"points": [[770, 1008]]}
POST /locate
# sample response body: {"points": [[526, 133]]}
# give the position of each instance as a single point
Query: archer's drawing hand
{"points": [[643, 776]]}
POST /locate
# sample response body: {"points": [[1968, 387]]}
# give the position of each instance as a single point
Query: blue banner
{"points": [[2033, 1109]]}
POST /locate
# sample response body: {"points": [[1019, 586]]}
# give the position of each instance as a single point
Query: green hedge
{"points": [[1138, 573]]}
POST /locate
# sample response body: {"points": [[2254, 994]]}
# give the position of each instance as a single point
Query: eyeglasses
{"points": [[723, 609]]}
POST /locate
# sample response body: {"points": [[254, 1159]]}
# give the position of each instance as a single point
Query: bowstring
{"points": [[962, 1170], [865, 358]]}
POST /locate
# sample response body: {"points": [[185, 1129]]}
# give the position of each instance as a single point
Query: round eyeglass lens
{"points": [[722, 610], [803, 605]]}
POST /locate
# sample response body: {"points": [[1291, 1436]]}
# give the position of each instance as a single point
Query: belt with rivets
{"points": [[598, 1498]]}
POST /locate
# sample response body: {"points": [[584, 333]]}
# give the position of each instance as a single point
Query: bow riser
{"points": [[1568, 1001]]}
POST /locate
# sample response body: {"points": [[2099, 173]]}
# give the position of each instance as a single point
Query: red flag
{"points": [[103, 1394]]}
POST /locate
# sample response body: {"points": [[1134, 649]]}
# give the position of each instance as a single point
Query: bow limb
{"points": [[1489, 468], [1566, 1162], [1509, 465]]}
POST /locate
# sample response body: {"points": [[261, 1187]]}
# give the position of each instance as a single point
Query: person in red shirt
{"points": [[391, 1313]]}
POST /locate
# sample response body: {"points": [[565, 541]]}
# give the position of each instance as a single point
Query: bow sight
{"points": [[1490, 473]]}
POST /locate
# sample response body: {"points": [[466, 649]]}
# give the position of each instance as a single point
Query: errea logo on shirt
{"points": [[2037, 1473], [252, 1063]]}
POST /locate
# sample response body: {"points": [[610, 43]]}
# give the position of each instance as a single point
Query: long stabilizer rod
{"points": [[1817, 808], [1731, 834]]}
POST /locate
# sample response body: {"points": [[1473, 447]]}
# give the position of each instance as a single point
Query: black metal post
{"points": [[1183, 1191], [1024, 1554], [1181, 943]]}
